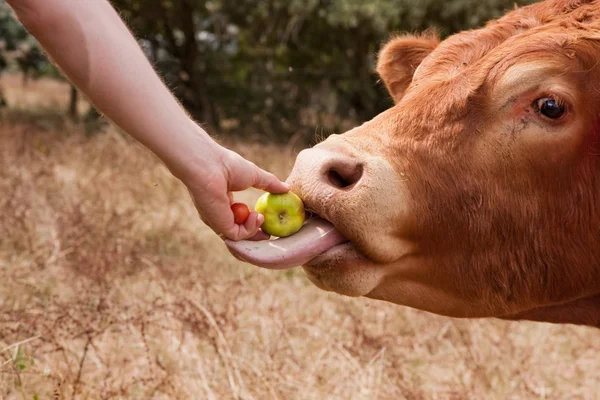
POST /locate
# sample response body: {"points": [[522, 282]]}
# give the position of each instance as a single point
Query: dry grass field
{"points": [[111, 287]]}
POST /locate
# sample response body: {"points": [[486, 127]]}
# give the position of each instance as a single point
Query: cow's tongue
{"points": [[314, 238]]}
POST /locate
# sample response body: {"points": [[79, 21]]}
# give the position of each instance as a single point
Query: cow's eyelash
{"points": [[559, 100], [552, 96]]}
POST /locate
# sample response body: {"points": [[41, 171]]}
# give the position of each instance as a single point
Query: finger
{"points": [[253, 223], [251, 228], [245, 231], [217, 214], [268, 182], [214, 207]]}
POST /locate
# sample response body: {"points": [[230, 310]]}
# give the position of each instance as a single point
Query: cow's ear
{"points": [[400, 57]]}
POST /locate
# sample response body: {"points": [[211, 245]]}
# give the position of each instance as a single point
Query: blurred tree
{"points": [[278, 66], [281, 65], [20, 50], [11, 35]]}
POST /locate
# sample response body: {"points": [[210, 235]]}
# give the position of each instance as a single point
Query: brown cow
{"points": [[478, 193]]}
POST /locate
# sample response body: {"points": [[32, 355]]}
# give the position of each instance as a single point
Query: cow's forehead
{"points": [[534, 41], [541, 27]]}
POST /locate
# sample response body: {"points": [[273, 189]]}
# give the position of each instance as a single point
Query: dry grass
{"points": [[110, 287]]}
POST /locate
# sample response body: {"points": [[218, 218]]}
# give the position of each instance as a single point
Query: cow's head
{"points": [[478, 193]]}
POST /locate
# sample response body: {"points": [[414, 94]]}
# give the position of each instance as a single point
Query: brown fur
{"points": [[400, 58], [497, 209]]}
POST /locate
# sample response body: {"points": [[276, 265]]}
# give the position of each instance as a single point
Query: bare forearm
{"points": [[106, 63], [94, 48]]}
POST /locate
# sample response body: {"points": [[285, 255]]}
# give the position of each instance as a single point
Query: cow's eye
{"points": [[549, 107]]}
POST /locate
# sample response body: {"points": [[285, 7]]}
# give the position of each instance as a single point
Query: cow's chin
{"points": [[345, 270]]}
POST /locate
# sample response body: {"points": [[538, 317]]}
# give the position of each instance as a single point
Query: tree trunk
{"points": [[3, 102], [193, 95], [73, 103], [190, 63]]}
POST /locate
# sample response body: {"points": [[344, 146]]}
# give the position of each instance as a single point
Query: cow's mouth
{"points": [[317, 238]]}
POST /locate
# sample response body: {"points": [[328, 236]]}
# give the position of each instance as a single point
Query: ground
{"points": [[111, 287]]}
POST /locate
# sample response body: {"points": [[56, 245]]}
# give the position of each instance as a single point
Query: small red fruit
{"points": [[240, 212]]}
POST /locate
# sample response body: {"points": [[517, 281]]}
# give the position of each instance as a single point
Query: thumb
{"points": [[268, 182]]}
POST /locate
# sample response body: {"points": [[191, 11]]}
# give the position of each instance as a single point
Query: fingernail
{"points": [[260, 219]]}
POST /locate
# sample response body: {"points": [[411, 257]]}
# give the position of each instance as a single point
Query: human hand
{"points": [[223, 173]]}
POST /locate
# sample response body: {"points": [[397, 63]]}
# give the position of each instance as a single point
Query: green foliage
{"points": [[18, 49], [271, 64], [279, 67], [12, 34], [21, 360]]}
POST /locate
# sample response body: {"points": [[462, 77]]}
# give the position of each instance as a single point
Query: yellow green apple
{"points": [[284, 213]]}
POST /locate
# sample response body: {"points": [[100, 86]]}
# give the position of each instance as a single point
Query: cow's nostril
{"points": [[343, 178], [336, 179]]}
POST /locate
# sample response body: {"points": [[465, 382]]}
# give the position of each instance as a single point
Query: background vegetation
{"points": [[111, 287], [275, 68]]}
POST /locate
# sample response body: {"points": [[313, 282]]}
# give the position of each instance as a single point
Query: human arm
{"points": [[93, 47]]}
